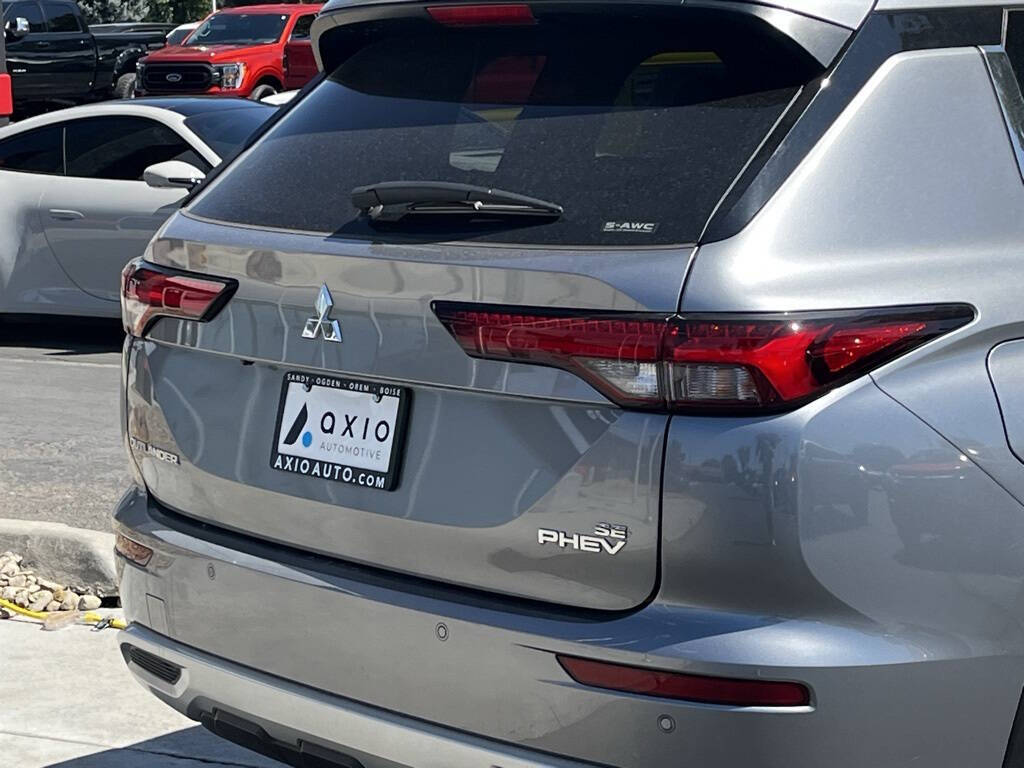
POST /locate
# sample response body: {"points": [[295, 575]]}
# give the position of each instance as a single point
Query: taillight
{"points": [[149, 291], [132, 550], [675, 685], [712, 361], [507, 14]]}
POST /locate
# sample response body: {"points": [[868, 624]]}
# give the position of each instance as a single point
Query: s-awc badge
{"points": [[631, 227]]}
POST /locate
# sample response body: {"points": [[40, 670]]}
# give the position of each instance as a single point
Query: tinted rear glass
{"points": [[37, 151], [636, 121], [61, 17], [225, 131]]}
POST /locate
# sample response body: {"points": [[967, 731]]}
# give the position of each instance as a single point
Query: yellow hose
{"points": [[85, 618]]}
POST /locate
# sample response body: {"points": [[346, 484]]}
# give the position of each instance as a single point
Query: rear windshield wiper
{"points": [[393, 200]]}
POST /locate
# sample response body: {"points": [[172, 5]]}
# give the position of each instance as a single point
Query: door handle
{"points": [[43, 44], [56, 213]]}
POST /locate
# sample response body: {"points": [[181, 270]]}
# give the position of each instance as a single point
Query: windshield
{"points": [[225, 131], [239, 29], [635, 128]]}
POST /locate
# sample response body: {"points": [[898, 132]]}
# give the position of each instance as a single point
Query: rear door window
{"points": [[37, 151], [61, 17], [636, 125], [121, 148], [302, 27]]}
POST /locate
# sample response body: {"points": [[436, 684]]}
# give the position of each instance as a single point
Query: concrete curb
{"points": [[79, 558]]}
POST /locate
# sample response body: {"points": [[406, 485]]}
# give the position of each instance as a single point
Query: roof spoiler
{"points": [[822, 34]]}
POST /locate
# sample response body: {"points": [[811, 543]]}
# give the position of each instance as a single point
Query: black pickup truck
{"points": [[53, 58]]}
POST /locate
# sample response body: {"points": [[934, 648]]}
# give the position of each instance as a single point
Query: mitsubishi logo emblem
{"points": [[322, 322]]}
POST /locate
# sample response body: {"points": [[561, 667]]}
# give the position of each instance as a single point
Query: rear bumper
{"points": [[314, 650], [281, 716]]}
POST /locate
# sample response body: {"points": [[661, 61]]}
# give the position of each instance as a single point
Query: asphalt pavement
{"points": [[61, 456]]}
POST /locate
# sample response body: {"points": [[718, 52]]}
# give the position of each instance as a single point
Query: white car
{"points": [[280, 99], [177, 35], [83, 190]]}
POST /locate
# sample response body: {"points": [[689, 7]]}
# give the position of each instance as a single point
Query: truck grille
{"points": [[177, 78]]}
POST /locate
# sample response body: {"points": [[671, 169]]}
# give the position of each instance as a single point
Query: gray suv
{"points": [[596, 383]]}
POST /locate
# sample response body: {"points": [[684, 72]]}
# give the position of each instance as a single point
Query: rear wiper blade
{"points": [[392, 200]]}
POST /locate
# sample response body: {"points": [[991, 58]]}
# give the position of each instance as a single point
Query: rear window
{"points": [[635, 125], [225, 131]]}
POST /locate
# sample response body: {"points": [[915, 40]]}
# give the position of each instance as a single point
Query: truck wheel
{"points": [[125, 87], [261, 91]]}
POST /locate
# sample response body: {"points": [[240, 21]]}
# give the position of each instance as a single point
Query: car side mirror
{"points": [[17, 29], [173, 174]]}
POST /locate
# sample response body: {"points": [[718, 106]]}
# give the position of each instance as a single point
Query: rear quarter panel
{"points": [[894, 500], [912, 197]]}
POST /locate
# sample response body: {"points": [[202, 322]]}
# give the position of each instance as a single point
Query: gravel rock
{"points": [[40, 600], [64, 555], [89, 603], [6, 614], [50, 586], [27, 590]]}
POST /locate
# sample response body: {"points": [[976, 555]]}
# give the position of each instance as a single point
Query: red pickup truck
{"points": [[251, 51]]}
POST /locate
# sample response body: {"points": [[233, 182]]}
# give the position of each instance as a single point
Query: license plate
{"points": [[341, 430]]}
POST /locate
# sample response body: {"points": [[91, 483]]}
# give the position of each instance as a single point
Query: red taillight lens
{"points": [[675, 685], [654, 361], [132, 550], [514, 14], [148, 291]]}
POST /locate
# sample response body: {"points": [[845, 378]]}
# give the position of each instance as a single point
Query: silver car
{"points": [[570, 384], [83, 190]]}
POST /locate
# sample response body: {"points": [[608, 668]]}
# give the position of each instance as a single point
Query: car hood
{"points": [[213, 53]]}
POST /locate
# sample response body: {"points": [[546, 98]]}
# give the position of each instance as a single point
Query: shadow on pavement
{"points": [[63, 336], [187, 748]]}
